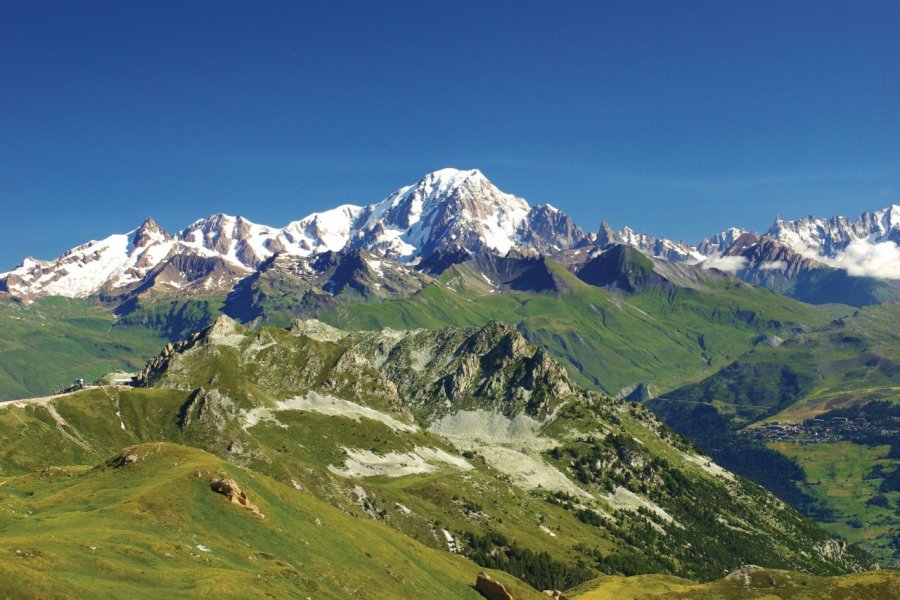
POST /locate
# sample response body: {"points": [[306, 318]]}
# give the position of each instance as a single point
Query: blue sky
{"points": [[676, 118]]}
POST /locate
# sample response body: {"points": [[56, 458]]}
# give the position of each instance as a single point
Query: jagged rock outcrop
{"points": [[829, 236], [770, 263], [159, 364], [548, 230], [210, 408], [647, 244], [124, 459]]}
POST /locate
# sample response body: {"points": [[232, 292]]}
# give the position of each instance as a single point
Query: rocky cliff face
{"points": [[769, 263], [285, 287]]}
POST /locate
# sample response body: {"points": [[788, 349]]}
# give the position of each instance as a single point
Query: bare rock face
{"points": [[317, 330], [158, 366], [556, 594], [230, 489], [490, 588]]}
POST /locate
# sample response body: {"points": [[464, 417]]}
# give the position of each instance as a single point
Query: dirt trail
{"points": [[22, 402]]}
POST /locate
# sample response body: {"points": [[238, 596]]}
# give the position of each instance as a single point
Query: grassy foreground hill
{"points": [[147, 524], [471, 442], [746, 583]]}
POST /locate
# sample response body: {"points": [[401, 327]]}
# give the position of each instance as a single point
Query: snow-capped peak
{"points": [[148, 233], [448, 208], [721, 241], [650, 245], [827, 237], [444, 181]]}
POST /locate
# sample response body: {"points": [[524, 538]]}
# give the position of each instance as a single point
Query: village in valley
{"points": [[829, 429]]}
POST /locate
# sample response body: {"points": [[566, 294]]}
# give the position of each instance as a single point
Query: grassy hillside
{"points": [[836, 285], [747, 583], [849, 479], [853, 362], [150, 526], [172, 318], [54, 341], [608, 340], [464, 440]]}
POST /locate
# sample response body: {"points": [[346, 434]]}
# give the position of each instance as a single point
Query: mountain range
{"points": [[451, 213]]}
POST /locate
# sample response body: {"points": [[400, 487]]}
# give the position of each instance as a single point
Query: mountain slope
{"points": [[685, 324], [469, 440], [286, 287], [853, 360], [165, 532], [769, 263], [745, 583], [793, 397], [447, 217], [54, 341], [607, 340], [828, 237], [813, 259]]}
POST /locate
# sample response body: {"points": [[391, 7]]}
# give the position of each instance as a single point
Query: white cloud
{"points": [[773, 265], [863, 258], [729, 264]]}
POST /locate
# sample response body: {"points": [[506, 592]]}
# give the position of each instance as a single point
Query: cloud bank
{"points": [[729, 264], [773, 265], [863, 258]]}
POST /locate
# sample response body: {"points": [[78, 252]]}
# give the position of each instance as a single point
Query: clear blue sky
{"points": [[676, 118]]}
